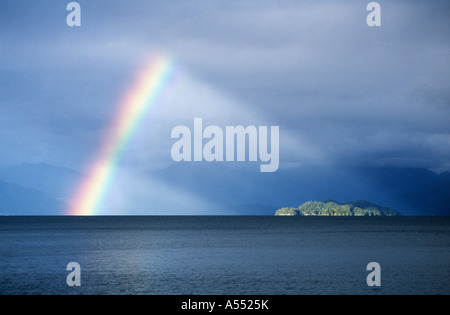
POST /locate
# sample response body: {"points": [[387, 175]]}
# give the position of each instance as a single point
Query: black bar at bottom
{"points": [[221, 304], [254, 304]]}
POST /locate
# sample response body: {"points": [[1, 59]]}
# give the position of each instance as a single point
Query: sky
{"points": [[342, 93]]}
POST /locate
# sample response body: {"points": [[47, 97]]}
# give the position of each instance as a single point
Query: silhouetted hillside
{"points": [[57, 182], [25, 201], [43, 189]]}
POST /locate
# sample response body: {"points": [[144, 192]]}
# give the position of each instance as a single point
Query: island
{"points": [[333, 208]]}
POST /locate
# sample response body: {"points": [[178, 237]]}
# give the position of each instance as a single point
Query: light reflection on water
{"points": [[224, 255]]}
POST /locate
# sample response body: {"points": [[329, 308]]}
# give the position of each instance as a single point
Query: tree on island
{"points": [[333, 208]]}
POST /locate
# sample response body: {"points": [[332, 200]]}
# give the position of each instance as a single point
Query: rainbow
{"points": [[151, 81]]}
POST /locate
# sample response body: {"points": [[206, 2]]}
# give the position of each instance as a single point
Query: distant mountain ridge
{"points": [[410, 191], [17, 200], [45, 189], [56, 182], [36, 189]]}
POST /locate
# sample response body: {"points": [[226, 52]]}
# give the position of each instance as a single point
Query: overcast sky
{"points": [[343, 93]]}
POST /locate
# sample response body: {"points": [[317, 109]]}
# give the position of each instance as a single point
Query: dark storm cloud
{"points": [[343, 92]]}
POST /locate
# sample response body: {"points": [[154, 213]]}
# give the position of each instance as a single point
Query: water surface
{"points": [[224, 255]]}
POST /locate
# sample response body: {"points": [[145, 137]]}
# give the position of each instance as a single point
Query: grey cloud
{"points": [[348, 93]]}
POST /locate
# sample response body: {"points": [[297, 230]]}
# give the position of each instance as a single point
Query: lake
{"points": [[224, 255]]}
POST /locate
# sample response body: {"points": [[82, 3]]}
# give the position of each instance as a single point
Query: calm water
{"points": [[224, 255]]}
